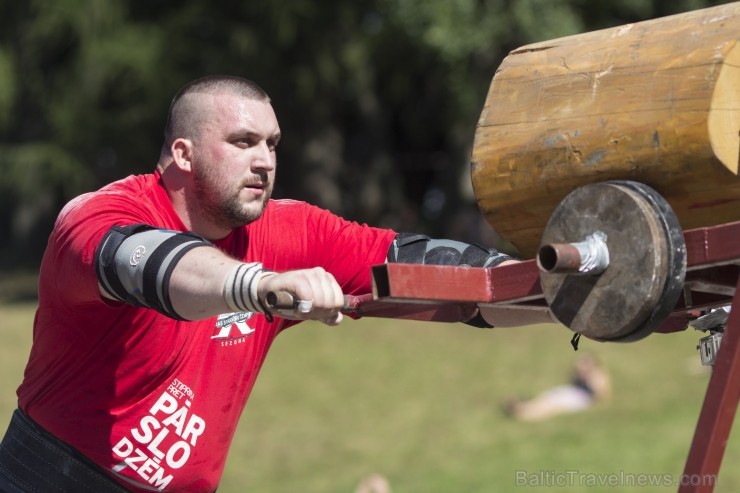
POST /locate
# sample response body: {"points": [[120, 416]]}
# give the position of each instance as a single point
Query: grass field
{"points": [[420, 404]]}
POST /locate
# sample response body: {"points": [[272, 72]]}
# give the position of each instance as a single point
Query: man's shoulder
{"points": [[132, 186], [127, 195]]}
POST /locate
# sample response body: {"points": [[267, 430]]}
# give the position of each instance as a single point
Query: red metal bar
{"points": [[714, 245], [448, 284], [431, 283], [718, 411], [515, 283], [710, 252], [367, 306]]}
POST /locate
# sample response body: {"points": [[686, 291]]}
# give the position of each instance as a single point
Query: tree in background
{"points": [[377, 99]]}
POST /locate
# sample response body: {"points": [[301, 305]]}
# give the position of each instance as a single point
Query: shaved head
{"points": [[218, 159], [189, 110]]}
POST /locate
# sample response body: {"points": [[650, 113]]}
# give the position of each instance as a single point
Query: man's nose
{"points": [[265, 158]]}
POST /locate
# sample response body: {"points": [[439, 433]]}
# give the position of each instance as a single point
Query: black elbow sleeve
{"points": [[134, 264], [410, 248]]}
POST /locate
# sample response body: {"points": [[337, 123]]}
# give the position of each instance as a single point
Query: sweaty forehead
{"points": [[237, 112]]}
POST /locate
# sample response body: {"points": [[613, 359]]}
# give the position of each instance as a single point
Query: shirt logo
{"points": [[163, 441], [232, 328]]}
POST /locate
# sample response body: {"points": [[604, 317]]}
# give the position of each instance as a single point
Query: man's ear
{"points": [[182, 153]]}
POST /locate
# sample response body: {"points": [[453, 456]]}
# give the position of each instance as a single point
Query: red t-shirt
{"points": [[153, 400]]}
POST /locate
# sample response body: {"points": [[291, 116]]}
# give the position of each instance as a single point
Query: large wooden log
{"points": [[656, 102]]}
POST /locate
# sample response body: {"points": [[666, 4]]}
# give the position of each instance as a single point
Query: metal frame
{"points": [[452, 294]]}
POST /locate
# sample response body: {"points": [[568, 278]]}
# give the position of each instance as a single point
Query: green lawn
{"points": [[420, 404]]}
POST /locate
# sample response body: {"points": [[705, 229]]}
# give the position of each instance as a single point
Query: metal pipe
{"points": [[588, 257]]}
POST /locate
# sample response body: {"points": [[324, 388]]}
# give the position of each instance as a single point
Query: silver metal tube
{"points": [[588, 257]]}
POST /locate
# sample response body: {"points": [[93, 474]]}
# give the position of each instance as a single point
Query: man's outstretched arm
{"points": [[185, 277]]}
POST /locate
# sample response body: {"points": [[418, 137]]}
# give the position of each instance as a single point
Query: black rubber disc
{"points": [[647, 267]]}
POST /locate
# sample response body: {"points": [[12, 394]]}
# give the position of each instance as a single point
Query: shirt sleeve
{"points": [[348, 249], [80, 226], [296, 235]]}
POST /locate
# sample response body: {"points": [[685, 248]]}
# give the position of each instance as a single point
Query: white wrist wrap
{"points": [[240, 288]]}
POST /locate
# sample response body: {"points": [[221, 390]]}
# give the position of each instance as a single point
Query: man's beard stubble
{"points": [[227, 212]]}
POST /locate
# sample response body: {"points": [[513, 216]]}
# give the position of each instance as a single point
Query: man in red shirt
{"points": [[152, 324]]}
